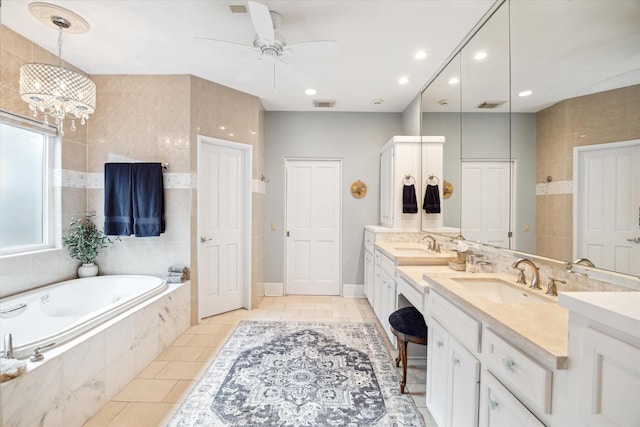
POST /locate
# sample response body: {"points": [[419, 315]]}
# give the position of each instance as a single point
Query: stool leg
{"points": [[403, 357], [399, 342]]}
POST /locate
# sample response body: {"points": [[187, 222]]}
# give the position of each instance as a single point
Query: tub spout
{"points": [[8, 347]]}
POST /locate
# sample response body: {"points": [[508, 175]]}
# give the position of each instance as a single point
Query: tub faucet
{"points": [[432, 244], [535, 272], [8, 347]]}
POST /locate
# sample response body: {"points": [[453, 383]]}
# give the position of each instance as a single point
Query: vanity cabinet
{"points": [[499, 408], [604, 336], [384, 292], [453, 371], [369, 272]]}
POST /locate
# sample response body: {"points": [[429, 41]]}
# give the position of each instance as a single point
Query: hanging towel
{"points": [[409, 201], [431, 203], [118, 207], [148, 199]]}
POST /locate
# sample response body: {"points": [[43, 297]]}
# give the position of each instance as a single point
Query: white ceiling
{"points": [[559, 48], [377, 39]]}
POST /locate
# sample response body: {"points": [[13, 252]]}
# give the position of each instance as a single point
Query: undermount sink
{"points": [[498, 290], [413, 250]]}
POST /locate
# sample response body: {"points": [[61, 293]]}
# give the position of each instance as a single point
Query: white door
{"points": [[313, 227], [465, 389], [224, 218], [486, 201], [499, 408], [607, 206]]}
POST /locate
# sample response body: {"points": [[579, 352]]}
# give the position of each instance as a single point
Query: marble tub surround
{"points": [[405, 253], [76, 379]]}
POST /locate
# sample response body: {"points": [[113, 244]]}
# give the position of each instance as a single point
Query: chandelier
{"points": [[54, 91]]}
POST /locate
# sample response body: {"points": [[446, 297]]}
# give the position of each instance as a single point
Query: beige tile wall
{"points": [[22, 272], [145, 118], [593, 119]]}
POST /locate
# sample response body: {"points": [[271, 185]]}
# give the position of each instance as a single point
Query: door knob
{"points": [[634, 240], [203, 239]]}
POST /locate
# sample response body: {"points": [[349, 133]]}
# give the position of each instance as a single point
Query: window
{"points": [[26, 216]]}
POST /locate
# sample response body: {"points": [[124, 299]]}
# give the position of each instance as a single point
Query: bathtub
{"points": [[52, 315], [96, 355]]}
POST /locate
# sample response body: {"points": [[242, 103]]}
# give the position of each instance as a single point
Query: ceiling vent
{"points": [[490, 104], [238, 8], [327, 103]]}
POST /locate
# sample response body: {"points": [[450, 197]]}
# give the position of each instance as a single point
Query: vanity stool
{"points": [[408, 325]]}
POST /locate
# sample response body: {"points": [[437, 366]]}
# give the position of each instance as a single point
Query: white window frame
{"points": [[49, 240]]}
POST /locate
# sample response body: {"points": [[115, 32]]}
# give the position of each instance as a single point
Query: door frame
{"points": [[247, 185], [287, 160], [577, 153]]}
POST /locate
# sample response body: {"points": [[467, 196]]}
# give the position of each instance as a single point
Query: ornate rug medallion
{"points": [[300, 374]]}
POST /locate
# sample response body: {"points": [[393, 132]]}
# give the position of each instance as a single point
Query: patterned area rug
{"points": [[300, 374]]}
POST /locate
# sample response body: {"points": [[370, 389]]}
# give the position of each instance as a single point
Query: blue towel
{"points": [[118, 207], [148, 199]]}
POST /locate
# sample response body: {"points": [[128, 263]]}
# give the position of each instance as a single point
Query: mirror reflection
{"points": [[568, 129]]}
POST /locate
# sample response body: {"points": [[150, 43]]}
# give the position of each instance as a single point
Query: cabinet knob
{"points": [[439, 343], [508, 363], [493, 405], [455, 360]]}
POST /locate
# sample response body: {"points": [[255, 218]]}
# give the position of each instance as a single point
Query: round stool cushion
{"points": [[409, 321]]}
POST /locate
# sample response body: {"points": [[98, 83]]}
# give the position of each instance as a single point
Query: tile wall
{"points": [[593, 119], [149, 118]]}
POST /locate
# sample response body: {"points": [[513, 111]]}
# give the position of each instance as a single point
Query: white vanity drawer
{"points": [[524, 377], [410, 293], [388, 265], [463, 327], [369, 239]]}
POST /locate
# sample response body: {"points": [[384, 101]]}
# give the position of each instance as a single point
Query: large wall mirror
{"points": [[547, 128]]}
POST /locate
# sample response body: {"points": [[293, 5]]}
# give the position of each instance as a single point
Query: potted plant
{"points": [[85, 241]]}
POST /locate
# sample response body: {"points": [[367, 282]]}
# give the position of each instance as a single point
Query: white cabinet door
{"points": [[387, 302], [438, 373], [377, 290], [465, 391], [386, 187], [368, 276], [499, 408], [609, 381]]}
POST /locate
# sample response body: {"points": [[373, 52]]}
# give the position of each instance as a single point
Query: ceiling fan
{"points": [[269, 47]]}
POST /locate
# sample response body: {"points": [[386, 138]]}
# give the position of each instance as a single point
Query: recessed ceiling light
{"points": [[480, 55], [403, 80], [525, 93], [222, 128], [421, 54], [310, 91], [454, 80]]}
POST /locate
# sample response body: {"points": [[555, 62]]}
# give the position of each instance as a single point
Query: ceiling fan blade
{"points": [[312, 49], [231, 45], [295, 73], [262, 21]]}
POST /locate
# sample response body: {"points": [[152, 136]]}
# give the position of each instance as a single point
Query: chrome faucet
{"points": [[432, 244], [584, 261], [535, 276], [8, 347]]}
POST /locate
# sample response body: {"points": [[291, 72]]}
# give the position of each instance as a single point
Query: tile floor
{"points": [[151, 398]]}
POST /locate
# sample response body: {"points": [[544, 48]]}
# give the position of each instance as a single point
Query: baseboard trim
{"points": [[273, 289], [353, 291]]}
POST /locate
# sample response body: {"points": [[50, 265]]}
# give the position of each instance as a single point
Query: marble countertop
{"points": [[538, 329], [413, 254], [619, 310]]}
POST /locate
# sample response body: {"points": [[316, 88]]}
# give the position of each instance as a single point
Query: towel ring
{"points": [[408, 180], [433, 177]]}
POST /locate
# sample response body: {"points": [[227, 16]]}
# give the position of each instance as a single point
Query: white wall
{"points": [[354, 137]]}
